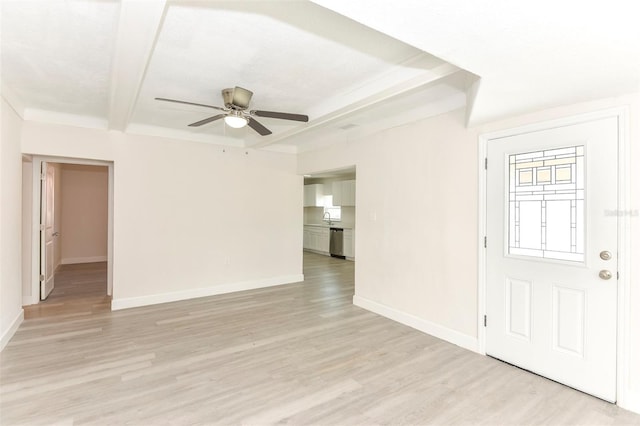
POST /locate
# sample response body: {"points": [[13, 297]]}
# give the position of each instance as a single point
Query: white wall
{"points": [[417, 195], [190, 219], [416, 187], [11, 313], [83, 201]]}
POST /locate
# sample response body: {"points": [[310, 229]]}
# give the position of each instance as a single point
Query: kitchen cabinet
{"points": [[323, 240], [349, 193], [336, 192], [344, 193], [316, 238], [349, 246], [314, 195]]}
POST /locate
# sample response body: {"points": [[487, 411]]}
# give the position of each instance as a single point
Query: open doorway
{"points": [[70, 238], [330, 213], [329, 229]]}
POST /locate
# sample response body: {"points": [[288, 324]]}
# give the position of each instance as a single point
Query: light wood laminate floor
{"points": [[80, 289], [296, 354]]}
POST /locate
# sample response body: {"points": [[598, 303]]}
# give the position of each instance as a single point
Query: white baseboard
{"points": [[8, 334], [153, 299], [452, 336], [90, 259]]}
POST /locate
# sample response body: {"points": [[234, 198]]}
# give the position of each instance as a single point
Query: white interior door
{"points": [[551, 299], [47, 236]]}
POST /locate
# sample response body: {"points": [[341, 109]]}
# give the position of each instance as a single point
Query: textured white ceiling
{"points": [[101, 63], [56, 55], [529, 54]]}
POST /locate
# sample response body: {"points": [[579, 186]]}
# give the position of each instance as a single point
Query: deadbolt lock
{"points": [[605, 255]]}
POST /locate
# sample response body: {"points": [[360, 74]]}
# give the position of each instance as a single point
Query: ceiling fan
{"points": [[235, 113]]}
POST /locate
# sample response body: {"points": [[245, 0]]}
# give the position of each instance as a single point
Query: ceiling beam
{"points": [[138, 27], [423, 79]]}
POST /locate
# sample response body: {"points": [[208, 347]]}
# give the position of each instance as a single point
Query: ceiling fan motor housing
{"points": [[227, 97], [236, 98]]}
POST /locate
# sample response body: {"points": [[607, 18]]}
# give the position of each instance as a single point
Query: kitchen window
{"points": [[333, 211]]}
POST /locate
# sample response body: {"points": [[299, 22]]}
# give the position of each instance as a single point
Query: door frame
{"points": [[36, 200], [624, 230]]}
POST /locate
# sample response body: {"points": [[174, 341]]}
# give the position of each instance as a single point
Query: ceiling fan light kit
{"points": [[235, 120], [235, 113]]}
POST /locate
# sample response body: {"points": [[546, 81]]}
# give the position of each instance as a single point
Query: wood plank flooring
{"points": [[79, 289], [297, 354]]}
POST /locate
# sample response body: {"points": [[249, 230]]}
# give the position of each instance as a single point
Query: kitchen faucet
{"points": [[324, 217]]}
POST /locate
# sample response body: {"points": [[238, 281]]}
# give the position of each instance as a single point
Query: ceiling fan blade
{"points": [[207, 120], [258, 127], [282, 115], [241, 97], [189, 103]]}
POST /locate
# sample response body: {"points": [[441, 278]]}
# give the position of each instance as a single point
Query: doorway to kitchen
{"points": [[330, 222]]}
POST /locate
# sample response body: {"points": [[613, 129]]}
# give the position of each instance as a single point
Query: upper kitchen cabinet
{"points": [[313, 195], [344, 193]]}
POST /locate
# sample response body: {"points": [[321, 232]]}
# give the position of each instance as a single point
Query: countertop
{"points": [[334, 225]]}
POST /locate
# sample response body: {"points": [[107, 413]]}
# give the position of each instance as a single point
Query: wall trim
{"points": [[626, 398], [8, 334], [153, 299], [482, 233], [88, 259], [436, 330]]}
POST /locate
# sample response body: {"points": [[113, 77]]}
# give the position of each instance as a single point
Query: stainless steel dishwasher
{"points": [[336, 243]]}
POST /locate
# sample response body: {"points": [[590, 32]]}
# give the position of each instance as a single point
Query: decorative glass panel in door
{"points": [[546, 204]]}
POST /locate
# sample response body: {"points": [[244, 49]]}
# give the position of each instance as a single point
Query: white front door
{"points": [[551, 299], [47, 236]]}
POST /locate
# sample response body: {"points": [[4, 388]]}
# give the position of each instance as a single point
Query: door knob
{"points": [[605, 275], [605, 255]]}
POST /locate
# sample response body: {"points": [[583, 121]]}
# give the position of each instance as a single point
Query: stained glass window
{"points": [[546, 204]]}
